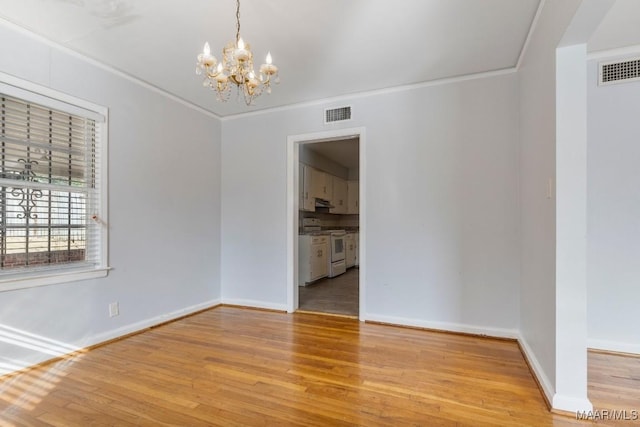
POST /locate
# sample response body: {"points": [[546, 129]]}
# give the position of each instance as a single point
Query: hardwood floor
{"points": [[239, 367], [614, 382], [338, 295]]}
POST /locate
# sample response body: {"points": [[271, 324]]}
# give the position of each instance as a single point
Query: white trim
{"points": [[107, 68], [443, 326], [103, 209], [293, 142], [293, 205], [43, 95], [51, 277], [571, 404], [365, 94], [362, 225], [612, 53], [547, 386], [532, 30], [254, 304], [614, 346]]}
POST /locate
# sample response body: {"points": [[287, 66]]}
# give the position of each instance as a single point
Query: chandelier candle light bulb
{"points": [[241, 53], [268, 68], [253, 82], [206, 58], [221, 78], [236, 66]]}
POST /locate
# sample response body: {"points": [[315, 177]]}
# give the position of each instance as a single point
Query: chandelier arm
{"points": [[211, 74]]}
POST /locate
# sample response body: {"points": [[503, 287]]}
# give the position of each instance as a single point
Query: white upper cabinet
{"points": [[307, 201], [316, 184], [353, 197], [339, 199], [322, 184]]}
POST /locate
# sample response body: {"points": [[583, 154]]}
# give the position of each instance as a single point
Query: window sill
{"points": [[12, 282]]}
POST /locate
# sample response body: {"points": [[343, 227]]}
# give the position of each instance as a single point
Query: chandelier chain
{"points": [[237, 20]]}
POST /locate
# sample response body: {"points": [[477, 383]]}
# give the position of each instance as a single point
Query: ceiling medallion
{"points": [[236, 67]]}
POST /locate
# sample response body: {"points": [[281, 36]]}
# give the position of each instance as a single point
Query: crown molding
{"points": [[532, 30], [365, 94], [64, 49], [633, 50]]}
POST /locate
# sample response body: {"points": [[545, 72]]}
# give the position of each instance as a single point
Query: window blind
{"points": [[48, 187]]}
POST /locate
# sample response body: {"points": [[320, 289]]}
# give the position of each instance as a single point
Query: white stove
{"points": [[337, 264]]}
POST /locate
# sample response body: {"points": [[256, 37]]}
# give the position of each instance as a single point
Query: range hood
{"points": [[321, 203]]}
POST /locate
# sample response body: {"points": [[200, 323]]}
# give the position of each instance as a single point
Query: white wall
{"points": [[441, 202], [164, 210], [613, 214], [537, 165]]}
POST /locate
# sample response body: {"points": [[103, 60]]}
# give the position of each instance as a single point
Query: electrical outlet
{"points": [[114, 309]]}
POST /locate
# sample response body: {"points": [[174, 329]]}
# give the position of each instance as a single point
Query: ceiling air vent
{"points": [[627, 70], [337, 114]]}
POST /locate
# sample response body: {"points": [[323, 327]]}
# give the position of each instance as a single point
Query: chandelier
{"points": [[236, 68]]}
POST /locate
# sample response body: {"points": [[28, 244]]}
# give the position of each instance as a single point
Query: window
{"points": [[51, 191]]}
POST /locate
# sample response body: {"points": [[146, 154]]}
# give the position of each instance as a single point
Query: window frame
{"points": [[39, 276]]}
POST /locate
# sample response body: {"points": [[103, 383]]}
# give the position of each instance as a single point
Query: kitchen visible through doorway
{"points": [[328, 226]]}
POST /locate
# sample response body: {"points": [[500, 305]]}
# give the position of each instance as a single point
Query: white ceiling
{"points": [[620, 28], [324, 48]]}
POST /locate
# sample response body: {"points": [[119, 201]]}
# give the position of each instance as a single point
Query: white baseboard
{"points": [[547, 386], [571, 404], [254, 304], [557, 401], [147, 323], [443, 326], [614, 346]]}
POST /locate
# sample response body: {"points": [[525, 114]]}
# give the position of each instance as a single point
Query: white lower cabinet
{"points": [[313, 258]]}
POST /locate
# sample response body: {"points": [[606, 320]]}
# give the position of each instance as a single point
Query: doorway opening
{"points": [[326, 223]]}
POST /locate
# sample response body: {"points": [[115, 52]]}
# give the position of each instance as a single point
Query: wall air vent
{"points": [[620, 71], [340, 114]]}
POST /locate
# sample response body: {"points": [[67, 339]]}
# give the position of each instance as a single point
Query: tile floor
{"points": [[338, 295]]}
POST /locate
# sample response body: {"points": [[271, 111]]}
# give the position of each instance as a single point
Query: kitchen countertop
{"points": [[325, 232]]}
